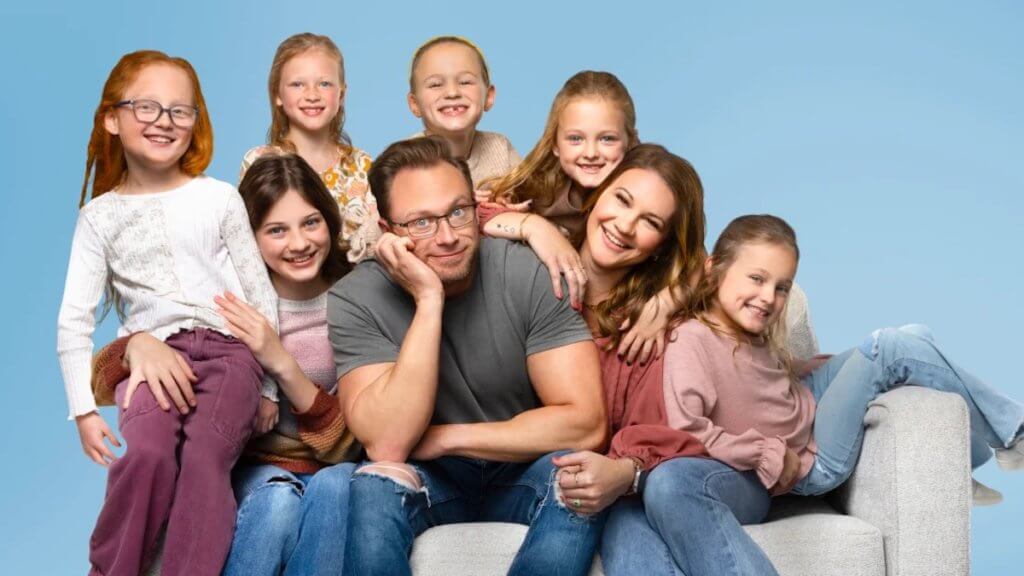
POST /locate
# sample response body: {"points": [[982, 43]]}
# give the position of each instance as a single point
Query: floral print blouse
{"points": [[346, 180]]}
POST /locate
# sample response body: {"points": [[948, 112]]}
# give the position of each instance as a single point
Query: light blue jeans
{"points": [[890, 358], [692, 523], [385, 516], [689, 521], [289, 523]]}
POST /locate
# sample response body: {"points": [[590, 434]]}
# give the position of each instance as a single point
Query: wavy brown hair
{"points": [[539, 177], [270, 177], [743, 231], [292, 46], [105, 164], [677, 262]]}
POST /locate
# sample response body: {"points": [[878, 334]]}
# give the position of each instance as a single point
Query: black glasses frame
{"points": [[131, 104]]}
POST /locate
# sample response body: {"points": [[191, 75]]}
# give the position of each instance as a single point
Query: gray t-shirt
{"points": [[508, 314]]}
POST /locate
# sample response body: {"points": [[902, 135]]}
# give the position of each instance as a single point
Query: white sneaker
{"points": [[1011, 458], [982, 495]]}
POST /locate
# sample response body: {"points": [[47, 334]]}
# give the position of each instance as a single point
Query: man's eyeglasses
{"points": [[426, 226], [149, 111]]}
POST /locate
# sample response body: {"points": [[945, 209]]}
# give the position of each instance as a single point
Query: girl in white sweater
{"points": [[162, 240]]}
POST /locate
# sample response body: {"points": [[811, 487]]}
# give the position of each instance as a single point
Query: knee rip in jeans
{"points": [[559, 498], [297, 485], [871, 346], [402, 474]]}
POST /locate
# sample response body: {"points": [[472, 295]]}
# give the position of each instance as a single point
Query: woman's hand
{"points": [[267, 416], [162, 368], [252, 328], [591, 482], [92, 429], [646, 340], [561, 259]]}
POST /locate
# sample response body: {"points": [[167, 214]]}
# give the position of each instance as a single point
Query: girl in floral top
{"points": [[307, 103]]}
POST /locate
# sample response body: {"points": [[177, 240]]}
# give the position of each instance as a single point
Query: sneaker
{"points": [[982, 495], [1011, 458]]}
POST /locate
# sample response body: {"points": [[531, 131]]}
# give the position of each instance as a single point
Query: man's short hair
{"points": [[422, 152]]}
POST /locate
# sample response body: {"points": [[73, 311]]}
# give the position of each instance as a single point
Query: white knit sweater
{"points": [[166, 254]]}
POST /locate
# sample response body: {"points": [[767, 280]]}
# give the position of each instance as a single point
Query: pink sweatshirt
{"points": [[739, 401]]}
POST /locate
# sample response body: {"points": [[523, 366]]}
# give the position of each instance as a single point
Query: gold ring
{"points": [[576, 503]]}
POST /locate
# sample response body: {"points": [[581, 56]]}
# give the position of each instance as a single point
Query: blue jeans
{"points": [[289, 523], [385, 516], [893, 357], [688, 522]]}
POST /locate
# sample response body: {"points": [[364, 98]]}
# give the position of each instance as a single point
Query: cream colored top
{"points": [[166, 255]]}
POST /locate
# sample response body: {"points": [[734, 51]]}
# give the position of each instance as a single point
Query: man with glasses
{"points": [[460, 372]]}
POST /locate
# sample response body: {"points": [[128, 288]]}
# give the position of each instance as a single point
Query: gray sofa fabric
{"points": [[904, 512]]}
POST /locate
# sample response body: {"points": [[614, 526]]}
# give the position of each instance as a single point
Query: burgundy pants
{"points": [[177, 468]]}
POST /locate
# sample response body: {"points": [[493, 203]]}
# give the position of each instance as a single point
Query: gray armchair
{"points": [[904, 512]]}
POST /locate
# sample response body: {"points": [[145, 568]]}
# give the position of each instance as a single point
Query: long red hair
{"points": [[105, 164]]}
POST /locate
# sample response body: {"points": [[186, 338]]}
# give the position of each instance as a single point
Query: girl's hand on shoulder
{"points": [[646, 340], [92, 429], [523, 206], [561, 259], [267, 416], [487, 198], [252, 328], [163, 369], [591, 482]]}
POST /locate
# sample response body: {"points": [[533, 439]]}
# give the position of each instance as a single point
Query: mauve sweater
{"points": [[739, 401]]}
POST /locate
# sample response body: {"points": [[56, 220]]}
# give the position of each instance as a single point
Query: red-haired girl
{"points": [[162, 240]]}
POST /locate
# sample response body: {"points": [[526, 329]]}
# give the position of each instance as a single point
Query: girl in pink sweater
{"points": [[729, 383]]}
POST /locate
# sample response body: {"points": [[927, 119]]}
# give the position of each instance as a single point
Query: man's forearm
{"points": [[390, 415], [525, 437]]}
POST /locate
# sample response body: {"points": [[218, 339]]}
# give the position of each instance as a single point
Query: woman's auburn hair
{"points": [[293, 46], [539, 177], [105, 164], [270, 177], [678, 260]]}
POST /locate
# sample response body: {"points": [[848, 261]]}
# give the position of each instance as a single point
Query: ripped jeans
{"points": [[890, 358], [289, 523], [385, 515]]}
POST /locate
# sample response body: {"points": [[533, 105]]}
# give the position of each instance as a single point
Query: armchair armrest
{"points": [[913, 481]]}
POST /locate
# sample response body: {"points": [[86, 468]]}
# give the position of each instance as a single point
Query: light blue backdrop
{"points": [[888, 134]]}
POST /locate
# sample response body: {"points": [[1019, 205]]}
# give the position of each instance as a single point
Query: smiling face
{"points": [[155, 147], [450, 94], [311, 91], [629, 221], [431, 192], [591, 140], [753, 290], [294, 240]]}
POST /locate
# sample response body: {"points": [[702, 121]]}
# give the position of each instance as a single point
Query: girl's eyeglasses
{"points": [[149, 111]]}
